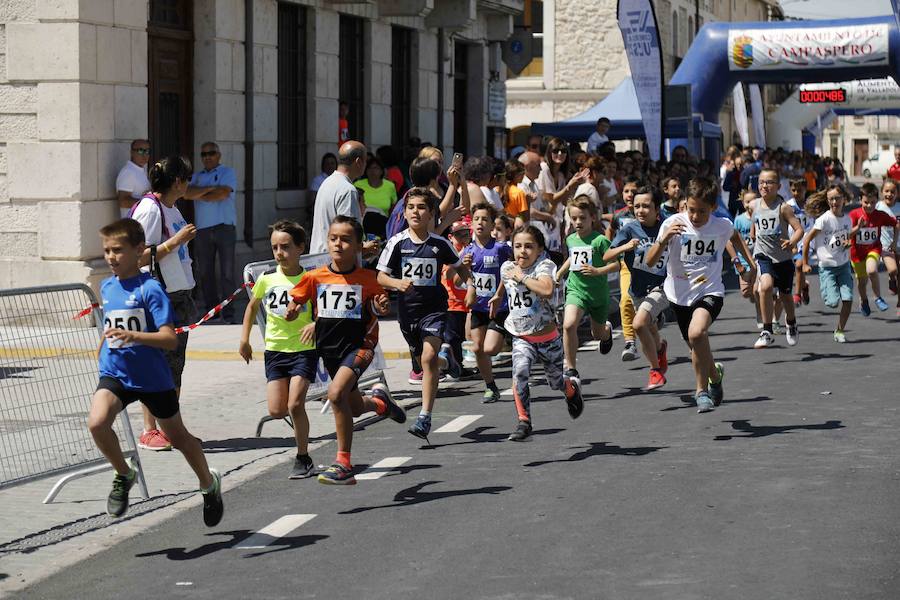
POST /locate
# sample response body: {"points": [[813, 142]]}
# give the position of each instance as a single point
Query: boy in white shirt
{"points": [[695, 240]]}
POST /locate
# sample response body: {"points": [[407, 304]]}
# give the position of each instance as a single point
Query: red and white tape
{"points": [[209, 315]]}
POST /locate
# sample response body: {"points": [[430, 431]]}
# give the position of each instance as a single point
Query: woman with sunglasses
{"points": [[556, 184]]}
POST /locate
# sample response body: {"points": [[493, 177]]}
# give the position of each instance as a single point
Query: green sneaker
{"points": [[716, 391], [489, 397], [839, 336], [213, 507], [117, 503]]}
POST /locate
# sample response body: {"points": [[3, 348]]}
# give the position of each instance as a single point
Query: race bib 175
{"points": [[338, 301]]}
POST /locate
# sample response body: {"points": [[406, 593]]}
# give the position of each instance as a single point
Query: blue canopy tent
{"points": [[621, 108]]}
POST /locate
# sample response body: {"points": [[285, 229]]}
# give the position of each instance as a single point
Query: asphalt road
{"points": [[788, 490]]}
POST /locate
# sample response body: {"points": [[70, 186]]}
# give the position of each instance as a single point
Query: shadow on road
{"points": [[414, 495], [478, 436], [278, 545], [248, 443], [688, 400], [600, 449], [815, 356], [758, 431], [12, 372]]}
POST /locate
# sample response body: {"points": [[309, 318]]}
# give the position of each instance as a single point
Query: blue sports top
{"points": [[423, 264]]}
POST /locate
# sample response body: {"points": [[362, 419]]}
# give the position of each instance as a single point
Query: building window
{"points": [[352, 74], [292, 61], [532, 19], [401, 85], [460, 97]]}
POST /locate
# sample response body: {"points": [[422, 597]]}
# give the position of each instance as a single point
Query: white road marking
{"points": [[269, 534], [507, 392], [458, 424], [383, 467]]}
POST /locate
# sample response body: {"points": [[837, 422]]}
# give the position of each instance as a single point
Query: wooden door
{"points": [[860, 153]]}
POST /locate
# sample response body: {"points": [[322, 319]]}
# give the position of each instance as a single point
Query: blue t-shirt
{"points": [[666, 211], [135, 304], [742, 224], [209, 214], [423, 263], [644, 277], [486, 262]]}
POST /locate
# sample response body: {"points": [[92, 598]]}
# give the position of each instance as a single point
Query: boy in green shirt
{"points": [[587, 290]]}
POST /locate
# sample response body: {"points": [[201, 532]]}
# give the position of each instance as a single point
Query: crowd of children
{"points": [[497, 284]]}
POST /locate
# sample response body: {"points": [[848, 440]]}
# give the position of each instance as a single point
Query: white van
{"points": [[878, 164]]}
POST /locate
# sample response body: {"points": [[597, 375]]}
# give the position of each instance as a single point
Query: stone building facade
{"points": [[80, 79], [583, 58]]}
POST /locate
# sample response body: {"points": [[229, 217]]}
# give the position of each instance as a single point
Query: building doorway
{"points": [[860, 153]]}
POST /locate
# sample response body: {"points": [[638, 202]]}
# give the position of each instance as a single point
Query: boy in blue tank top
{"points": [[138, 326]]}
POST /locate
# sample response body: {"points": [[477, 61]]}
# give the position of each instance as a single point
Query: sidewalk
{"points": [[222, 402]]}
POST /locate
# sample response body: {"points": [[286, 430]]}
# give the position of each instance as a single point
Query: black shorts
{"points": [[357, 361], [483, 319], [684, 314], [162, 405], [284, 365], [782, 273], [185, 313], [416, 328]]}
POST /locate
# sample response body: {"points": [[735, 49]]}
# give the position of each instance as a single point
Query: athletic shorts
{"points": [[860, 267], [483, 319], [655, 302], [284, 365], [185, 313], [596, 308], [416, 329], [357, 361], [781, 272], [684, 314], [836, 284], [162, 405]]}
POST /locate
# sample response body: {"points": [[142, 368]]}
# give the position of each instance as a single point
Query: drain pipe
{"points": [[248, 122]]}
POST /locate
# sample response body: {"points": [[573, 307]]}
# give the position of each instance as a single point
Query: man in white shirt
{"points": [[539, 213], [599, 137], [337, 195], [132, 182]]}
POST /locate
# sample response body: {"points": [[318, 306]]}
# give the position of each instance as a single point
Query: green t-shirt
{"points": [[587, 251], [273, 288], [381, 198]]}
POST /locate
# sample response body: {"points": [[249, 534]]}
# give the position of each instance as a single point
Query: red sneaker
{"points": [[657, 379], [154, 440], [662, 357], [797, 300]]}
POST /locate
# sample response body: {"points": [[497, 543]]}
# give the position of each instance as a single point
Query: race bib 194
{"points": [[697, 249], [337, 301], [485, 284], [131, 319], [422, 271], [579, 256]]}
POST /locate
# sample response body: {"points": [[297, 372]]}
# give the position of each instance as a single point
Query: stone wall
{"points": [[588, 46]]}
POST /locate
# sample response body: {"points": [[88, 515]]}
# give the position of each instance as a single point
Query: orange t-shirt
{"points": [[456, 297], [345, 320], [518, 201], [810, 181]]}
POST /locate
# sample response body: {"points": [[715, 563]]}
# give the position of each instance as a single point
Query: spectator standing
{"points": [[215, 216], [329, 164], [392, 172], [380, 197], [599, 137], [337, 195], [343, 123], [132, 182]]}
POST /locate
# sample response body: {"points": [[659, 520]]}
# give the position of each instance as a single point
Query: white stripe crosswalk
{"points": [[458, 424], [270, 534], [383, 467]]}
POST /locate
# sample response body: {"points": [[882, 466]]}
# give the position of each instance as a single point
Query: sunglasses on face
{"points": [[208, 154], [144, 151], [558, 151]]}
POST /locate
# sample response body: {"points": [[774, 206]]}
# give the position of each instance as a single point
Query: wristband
{"points": [[165, 247], [735, 261]]}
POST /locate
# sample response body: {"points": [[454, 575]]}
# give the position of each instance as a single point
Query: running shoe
{"points": [[573, 375], [415, 378], [117, 502], [447, 379], [792, 335], [704, 403], [797, 300], [759, 325], [522, 432], [606, 345], [630, 351], [154, 440], [422, 427], [716, 389], [337, 474], [213, 507], [574, 401], [448, 363], [663, 357], [489, 396], [303, 467], [892, 284], [839, 336], [765, 340], [466, 373], [777, 329], [881, 304], [864, 308], [657, 379], [805, 294], [394, 412]]}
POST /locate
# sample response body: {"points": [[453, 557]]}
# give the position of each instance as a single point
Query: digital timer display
{"points": [[829, 96]]}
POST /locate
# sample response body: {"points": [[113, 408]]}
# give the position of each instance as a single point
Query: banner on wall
{"points": [[808, 48], [640, 33], [758, 114], [740, 114]]}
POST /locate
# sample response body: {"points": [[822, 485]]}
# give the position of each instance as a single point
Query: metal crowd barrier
{"points": [[48, 373], [319, 388]]}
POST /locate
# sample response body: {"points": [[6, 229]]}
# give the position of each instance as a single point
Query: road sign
{"points": [[518, 50]]}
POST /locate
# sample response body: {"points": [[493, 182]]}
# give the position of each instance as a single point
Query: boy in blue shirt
{"points": [[138, 326]]}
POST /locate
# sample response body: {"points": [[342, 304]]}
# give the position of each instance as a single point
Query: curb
{"points": [[234, 356]]}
